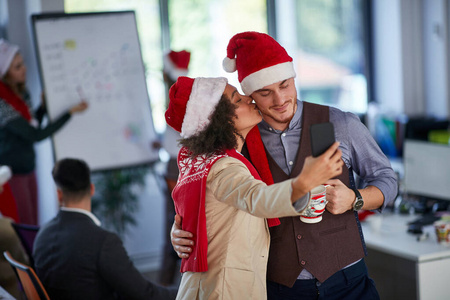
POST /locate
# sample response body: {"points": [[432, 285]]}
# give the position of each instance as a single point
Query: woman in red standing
{"points": [[20, 128]]}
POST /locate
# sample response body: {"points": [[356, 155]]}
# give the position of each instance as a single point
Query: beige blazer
{"points": [[238, 237]]}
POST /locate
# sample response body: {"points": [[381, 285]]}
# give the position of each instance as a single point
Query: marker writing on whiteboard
{"points": [[81, 93]]}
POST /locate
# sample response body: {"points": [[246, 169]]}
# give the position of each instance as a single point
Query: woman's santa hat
{"points": [[175, 64], [192, 102], [259, 60], [7, 53]]}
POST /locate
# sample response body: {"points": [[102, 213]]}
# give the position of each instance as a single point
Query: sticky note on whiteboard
{"points": [[70, 44]]}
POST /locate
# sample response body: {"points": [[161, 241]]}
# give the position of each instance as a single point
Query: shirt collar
{"points": [[83, 211], [295, 123]]}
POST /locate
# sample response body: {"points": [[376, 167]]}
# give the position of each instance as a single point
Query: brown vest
{"points": [[322, 248]]}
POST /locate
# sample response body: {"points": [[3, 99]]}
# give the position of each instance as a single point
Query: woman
{"points": [[220, 195], [19, 130]]}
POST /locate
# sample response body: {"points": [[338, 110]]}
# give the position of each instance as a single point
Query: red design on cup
{"points": [[316, 206]]}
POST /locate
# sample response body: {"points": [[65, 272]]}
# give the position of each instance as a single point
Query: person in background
{"points": [[220, 195], [20, 128], [9, 241], [77, 259], [8, 205], [307, 261], [175, 64]]}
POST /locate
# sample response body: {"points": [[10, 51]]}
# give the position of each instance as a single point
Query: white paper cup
{"points": [[442, 229]]}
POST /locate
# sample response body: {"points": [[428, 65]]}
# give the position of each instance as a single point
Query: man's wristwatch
{"points": [[359, 202]]}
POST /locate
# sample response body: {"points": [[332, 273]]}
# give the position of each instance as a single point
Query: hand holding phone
{"points": [[322, 137]]}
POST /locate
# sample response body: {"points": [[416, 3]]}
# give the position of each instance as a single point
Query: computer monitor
{"points": [[427, 169]]}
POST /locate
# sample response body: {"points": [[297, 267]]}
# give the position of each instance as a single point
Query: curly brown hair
{"points": [[220, 133]]}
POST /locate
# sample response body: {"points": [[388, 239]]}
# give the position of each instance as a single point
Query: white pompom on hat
{"points": [[192, 102], [175, 64], [258, 59], [7, 53]]}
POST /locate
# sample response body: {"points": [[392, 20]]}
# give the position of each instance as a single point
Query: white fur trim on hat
{"points": [[267, 76], [7, 53], [229, 64], [205, 94]]}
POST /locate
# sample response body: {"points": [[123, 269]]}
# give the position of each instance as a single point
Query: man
{"points": [[75, 258], [307, 261]]}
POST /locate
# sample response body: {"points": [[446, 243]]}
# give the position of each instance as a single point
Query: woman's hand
{"points": [[317, 170], [43, 100], [80, 107]]}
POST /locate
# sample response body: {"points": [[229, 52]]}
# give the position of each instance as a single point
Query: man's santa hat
{"points": [[175, 64], [259, 60], [192, 102]]}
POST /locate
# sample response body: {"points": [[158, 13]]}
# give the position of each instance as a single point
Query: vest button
{"points": [[303, 262], [299, 236]]}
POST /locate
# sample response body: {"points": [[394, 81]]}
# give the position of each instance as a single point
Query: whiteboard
{"points": [[96, 56]]}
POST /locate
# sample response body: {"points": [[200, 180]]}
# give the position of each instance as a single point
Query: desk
{"points": [[402, 267]]}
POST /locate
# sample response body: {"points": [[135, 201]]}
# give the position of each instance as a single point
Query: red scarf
{"points": [[12, 99], [258, 157], [189, 198]]}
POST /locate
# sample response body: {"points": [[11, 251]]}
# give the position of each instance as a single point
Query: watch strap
{"points": [[358, 199]]}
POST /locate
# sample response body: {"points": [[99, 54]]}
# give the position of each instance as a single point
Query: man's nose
{"points": [[277, 97]]}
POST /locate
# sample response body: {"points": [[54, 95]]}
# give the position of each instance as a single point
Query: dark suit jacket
{"points": [[76, 259]]}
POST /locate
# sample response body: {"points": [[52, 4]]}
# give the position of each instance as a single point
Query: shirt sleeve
{"points": [[362, 154], [232, 183], [40, 113], [21, 127]]}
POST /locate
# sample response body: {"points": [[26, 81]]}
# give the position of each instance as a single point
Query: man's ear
{"points": [[59, 193], [92, 189]]}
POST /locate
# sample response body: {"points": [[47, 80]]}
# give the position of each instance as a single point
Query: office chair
{"points": [[27, 234], [34, 290]]}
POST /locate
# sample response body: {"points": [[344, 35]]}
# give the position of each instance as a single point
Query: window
{"points": [[208, 27], [203, 27], [326, 39]]}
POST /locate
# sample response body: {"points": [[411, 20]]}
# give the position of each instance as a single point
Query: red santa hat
{"points": [[7, 53], [175, 64], [259, 60], [192, 102]]}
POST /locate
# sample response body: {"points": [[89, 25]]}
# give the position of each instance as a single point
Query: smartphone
{"points": [[322, 137]]}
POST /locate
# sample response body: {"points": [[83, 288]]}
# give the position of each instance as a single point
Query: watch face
{"points": [[358, 204]]}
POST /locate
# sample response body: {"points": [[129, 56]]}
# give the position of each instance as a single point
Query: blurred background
{"points": [[388, 61]]}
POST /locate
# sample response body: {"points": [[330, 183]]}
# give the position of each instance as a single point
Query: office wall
{"points": [[388, 76], [436, 57], [411, 56]]}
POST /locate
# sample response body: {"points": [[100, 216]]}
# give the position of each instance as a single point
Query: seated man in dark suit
{"points": [[75, 258]]}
